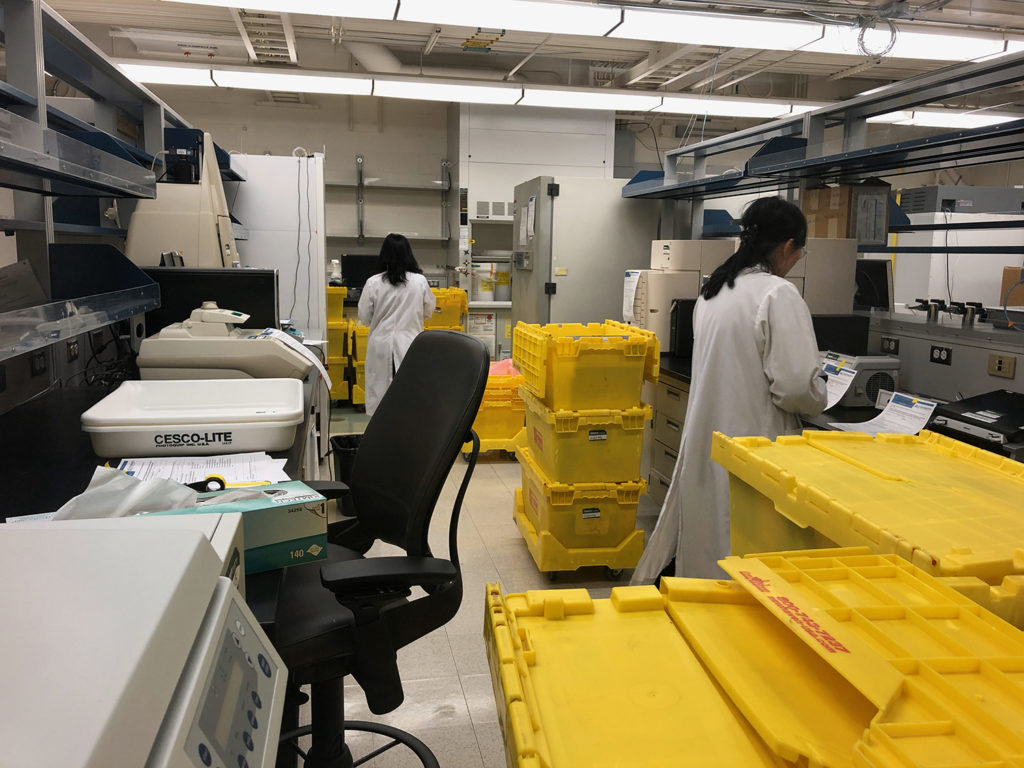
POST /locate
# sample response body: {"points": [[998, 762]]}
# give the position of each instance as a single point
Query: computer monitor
{"points": [[874, 285], [357, 268], [252, 291]]}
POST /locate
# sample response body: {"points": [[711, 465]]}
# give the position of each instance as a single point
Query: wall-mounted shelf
{"points": [[411, 238], [495, 220], [490, 305], [413, 186], [951, 249]]}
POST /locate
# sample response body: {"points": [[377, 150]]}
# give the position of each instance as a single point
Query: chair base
{"points": [[345, 760], [328, 729]]}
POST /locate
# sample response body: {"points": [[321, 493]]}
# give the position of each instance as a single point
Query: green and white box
{"points": [[288, 526]]}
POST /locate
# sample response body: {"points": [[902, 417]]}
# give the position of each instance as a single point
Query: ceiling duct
{"points": [[377, 59]]}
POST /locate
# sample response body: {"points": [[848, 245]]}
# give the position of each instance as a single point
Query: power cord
{"points": [[1006, 304]]}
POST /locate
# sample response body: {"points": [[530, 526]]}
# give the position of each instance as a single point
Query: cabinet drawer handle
{"points": [[662, 483], [672, 425], [674, 394], [670, 455]]}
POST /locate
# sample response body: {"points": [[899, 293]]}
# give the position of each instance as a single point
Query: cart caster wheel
{"points": [[613, 574], [552, 575], [466, 456]]}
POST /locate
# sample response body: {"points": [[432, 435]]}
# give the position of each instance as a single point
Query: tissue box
{"points": [[287, 528]]}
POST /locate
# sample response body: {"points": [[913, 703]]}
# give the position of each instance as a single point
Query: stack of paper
{"points": [[235, 469]]}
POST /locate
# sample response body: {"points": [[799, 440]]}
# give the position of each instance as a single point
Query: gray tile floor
{"points": [[449, 702]]}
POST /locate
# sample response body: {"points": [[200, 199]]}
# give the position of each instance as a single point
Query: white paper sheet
{"points": [[290, 341], [904, 414], [236, 469], [629, 294], [840, 377]]}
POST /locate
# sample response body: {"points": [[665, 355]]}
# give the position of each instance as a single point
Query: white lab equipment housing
{"points": [[200, 417], [125, 648], [192, 219], [208, 345]]}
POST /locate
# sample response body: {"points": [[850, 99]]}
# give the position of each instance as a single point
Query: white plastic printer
{"points": [[211, 345]]}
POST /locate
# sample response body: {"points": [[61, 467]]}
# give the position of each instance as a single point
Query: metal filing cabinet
{"points": [[669, 414]]}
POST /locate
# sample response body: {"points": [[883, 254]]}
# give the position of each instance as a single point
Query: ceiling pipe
{"points": [[377, 59]]}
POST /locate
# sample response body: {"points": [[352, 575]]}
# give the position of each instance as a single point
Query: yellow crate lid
{"points": [[337, 291], [944, 674], [565, 494], [950, 508], [451, 297], [582, 682], [566, 422]]}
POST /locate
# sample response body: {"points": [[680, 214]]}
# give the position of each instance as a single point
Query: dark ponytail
{"points": [[767, 223], [396, 259]]}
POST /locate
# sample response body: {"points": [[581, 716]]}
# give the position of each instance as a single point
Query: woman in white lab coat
{"points": [[755, 368], [394, 304]]}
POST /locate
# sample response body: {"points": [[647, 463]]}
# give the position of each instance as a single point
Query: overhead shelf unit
{"points": [[48, 155], [793, 151]]}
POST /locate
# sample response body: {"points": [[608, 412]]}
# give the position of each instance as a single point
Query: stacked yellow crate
{"points": [[584, 435], [451, 310], [499, 421], [358, 339], [337, 341]]}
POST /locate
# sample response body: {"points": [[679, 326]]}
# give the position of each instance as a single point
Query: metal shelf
{"points": [[490, 305], [503, 220], [412, 238], [952, 225], [439, 187], [952, 249]]}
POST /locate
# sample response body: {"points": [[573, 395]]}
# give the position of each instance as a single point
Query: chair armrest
{"points": [[329, 489], [383, 573]]}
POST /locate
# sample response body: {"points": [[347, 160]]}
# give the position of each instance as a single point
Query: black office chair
{"points": [[352, 614]]}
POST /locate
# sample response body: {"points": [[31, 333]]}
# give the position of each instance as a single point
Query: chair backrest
{"points": [[415, 435]]}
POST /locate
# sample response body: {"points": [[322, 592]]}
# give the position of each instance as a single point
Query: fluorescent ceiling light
{"points": [[269, 80], [932, 46], [715, 30], [589, 99], [360, 9], [944, 118], [433, 90], [523, 15], [723, 107], [166, 75]]}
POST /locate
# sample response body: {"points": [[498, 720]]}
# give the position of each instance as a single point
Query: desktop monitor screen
{"points": [[874, 285], [252, 291], [357, 268]]}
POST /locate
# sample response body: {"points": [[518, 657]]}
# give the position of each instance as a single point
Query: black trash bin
{"points": [[344, 448]]}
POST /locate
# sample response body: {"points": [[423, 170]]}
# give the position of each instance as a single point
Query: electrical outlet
{"points": [[72, 350], [1002, 365], [941, 355], [37, 364], [890, 346]]}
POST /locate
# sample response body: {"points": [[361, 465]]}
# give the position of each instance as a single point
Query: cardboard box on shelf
{"points": [[859, 211], [1010, 276]]}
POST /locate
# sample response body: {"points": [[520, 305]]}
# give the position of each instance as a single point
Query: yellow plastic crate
{"points": [[573, 367], [450, 312], [358, 340], [358, 395], [359, 374], [579, 515], [551, 555], [503, 386], [607, 684], [837, 659], [337, 338], [947, 507], [499, 419], [585, 446], [339, 389], [336, 296]]}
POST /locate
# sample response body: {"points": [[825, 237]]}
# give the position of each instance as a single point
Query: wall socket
{"points": [[890, 345], [1002, 365], [37, 364], [941, 355], [72, 350]]}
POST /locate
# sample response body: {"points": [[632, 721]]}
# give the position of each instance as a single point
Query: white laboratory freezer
{"points": [[573, 239]]}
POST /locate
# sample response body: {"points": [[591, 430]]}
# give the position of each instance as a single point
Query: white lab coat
{"points": [[755, 367], [395, 314]]}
